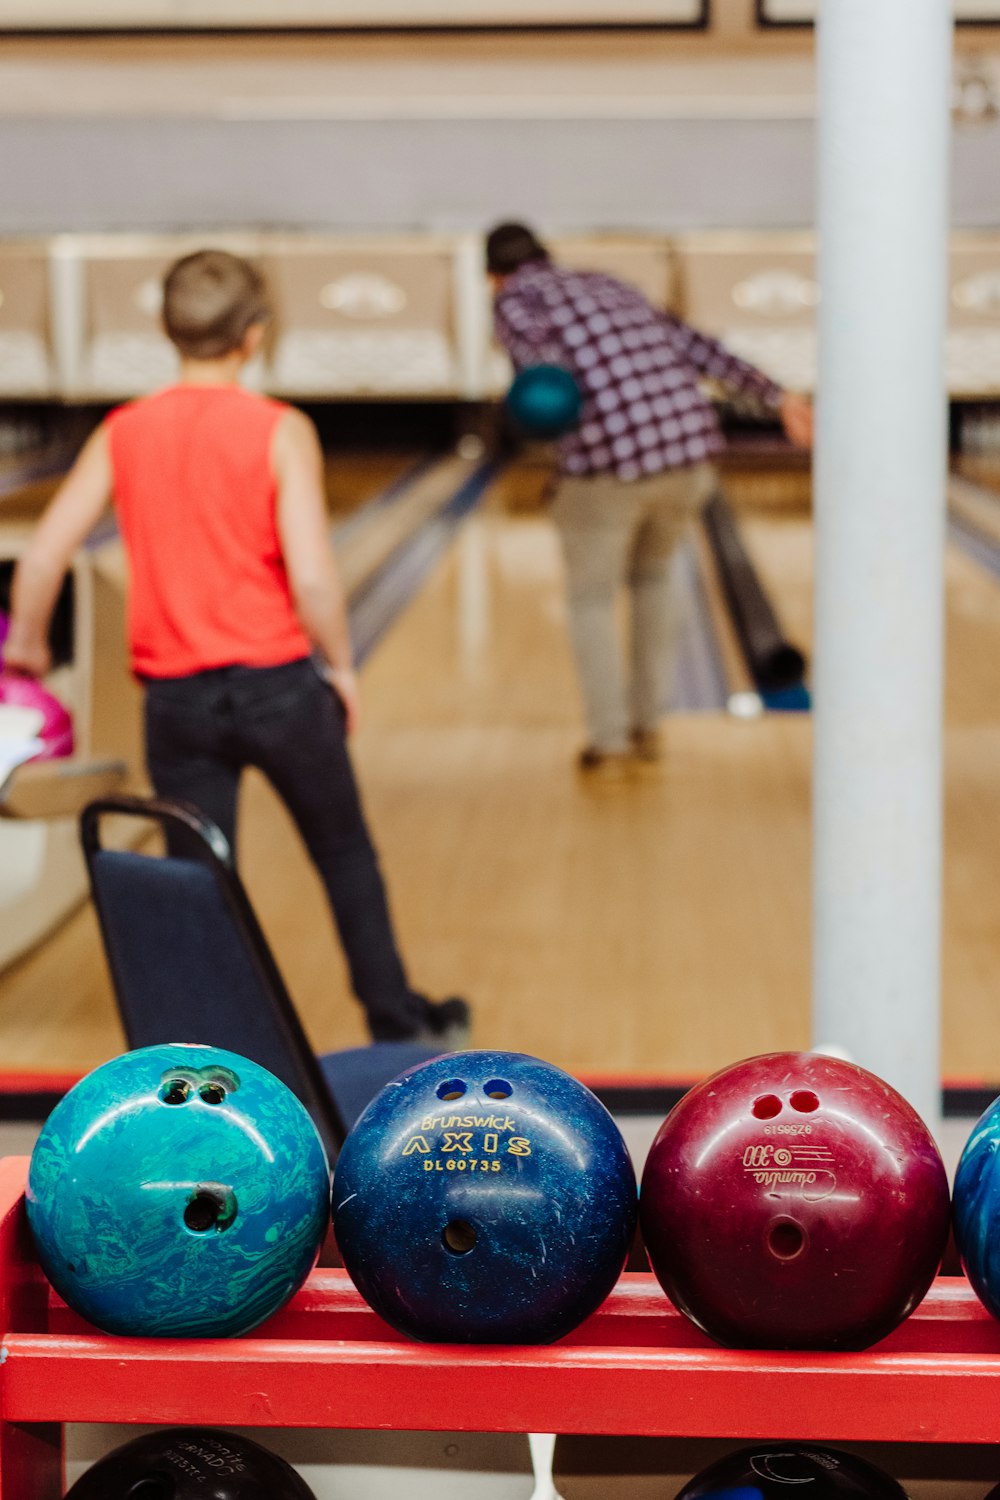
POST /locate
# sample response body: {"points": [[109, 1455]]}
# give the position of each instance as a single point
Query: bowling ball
{"points": [[794, 1201], [178, 1190], [190, 1463], [484, 1197], [544, 401], [50, 721], [768, 1471], [977, 1208]]}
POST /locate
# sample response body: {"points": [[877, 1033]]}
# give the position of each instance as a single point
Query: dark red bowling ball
{"points": [[180, 1463], [794, 1201]]}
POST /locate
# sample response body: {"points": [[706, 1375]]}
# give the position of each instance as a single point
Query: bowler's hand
{"points": [[25, 658], [345, 685], [796, 414]]}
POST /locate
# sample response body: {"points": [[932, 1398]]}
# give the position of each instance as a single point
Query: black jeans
{"points": [[202, 730]]}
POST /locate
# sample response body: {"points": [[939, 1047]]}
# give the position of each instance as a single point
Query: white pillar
{"points": [[881, 457]]}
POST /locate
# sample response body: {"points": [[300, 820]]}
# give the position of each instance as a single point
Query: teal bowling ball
{"points": [[544, 401], [976, 1208], [178, 1191], [484, 1197]]}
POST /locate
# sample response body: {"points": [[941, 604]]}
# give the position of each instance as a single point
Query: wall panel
{"points": [[25, 342], [758, 293], [250, 15], [804, 12], [359, 316]]}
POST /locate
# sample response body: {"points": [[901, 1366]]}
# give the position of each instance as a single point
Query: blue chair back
{"points": [[188, 959]]}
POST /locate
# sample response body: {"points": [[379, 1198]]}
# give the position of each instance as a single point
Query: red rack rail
{"points": [[637, 1366]]}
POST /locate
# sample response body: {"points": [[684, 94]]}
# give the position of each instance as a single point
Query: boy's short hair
{"points": [[509, 246], [210, 300]]}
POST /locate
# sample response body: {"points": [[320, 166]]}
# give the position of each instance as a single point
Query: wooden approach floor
{"points": [[659, 926]]}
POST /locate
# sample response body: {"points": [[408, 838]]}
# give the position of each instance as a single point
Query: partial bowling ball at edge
{"points": [[53, 726], [190, 1463], [773, 1471], [178, 1190], [544, 401], [484, 1197], [977, 1208], [794, 1201]]}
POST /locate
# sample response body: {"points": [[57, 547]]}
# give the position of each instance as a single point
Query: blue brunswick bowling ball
{"points": [[772, 1471], [484, 1197], [190, 1463], [178, 1190], [544, 401], [976, 1208]]}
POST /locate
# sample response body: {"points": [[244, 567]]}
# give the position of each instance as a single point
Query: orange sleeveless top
{"points": [[196, 502]]}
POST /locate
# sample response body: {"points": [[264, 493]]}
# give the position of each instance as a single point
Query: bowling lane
{"points": [[427, 486], [782, 549], [353, 478], [978, 468], [659, 926]]}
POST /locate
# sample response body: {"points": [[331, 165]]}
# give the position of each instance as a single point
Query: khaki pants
{"points": [[616, 533]]}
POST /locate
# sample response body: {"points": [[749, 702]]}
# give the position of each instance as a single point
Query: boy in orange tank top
{"points": [[237, 620]]}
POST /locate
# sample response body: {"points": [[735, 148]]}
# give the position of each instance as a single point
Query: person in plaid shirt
{"points": [[634, 472]]}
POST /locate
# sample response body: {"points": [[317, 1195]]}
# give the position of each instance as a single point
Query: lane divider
{"points": [[383, 597], [776, 665], [343, 532], [699, 683]]}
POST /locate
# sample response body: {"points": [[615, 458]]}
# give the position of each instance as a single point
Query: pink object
{"points": [[56, 730]]}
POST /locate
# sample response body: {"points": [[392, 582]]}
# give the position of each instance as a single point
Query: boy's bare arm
{"points": [[71, 515], [304, 530]]}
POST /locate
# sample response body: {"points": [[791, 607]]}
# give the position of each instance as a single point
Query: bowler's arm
{"points": [[304, 532], [712, 356], [72, 514]]}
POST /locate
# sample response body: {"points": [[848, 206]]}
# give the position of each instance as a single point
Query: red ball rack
{"points": [[635, 1367]]}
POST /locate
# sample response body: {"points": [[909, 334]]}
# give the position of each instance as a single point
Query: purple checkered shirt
{"points": [[638, 368]]}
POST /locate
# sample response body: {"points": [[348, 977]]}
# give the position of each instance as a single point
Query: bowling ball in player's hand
{"points": [[178, 1190], [40, 715], [190, 1463], [484, 1197], [544, 401], [795, 1201], [772, 1471], [977, 1208]]}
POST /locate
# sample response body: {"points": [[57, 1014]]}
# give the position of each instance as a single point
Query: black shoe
{"points": [[448, 1022], [604, 765]]}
